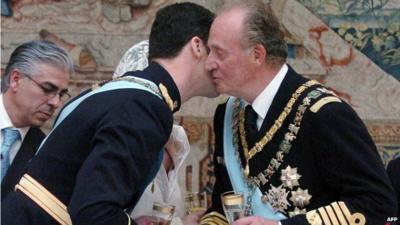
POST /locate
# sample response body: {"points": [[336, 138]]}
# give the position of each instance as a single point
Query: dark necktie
{"points": [[250, 124]]}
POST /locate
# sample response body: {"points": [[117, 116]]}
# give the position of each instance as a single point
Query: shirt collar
{"points": [[156, 73], [5, 121], [263, 101]]}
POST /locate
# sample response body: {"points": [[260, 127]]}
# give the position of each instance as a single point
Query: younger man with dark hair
{"points": [[106, 144]]}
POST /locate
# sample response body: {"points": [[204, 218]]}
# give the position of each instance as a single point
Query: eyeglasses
{"points": [[50, 90]]}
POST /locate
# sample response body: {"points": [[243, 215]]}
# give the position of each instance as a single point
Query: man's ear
{"points": [[259, 54], [197, 46], [15, 79]]}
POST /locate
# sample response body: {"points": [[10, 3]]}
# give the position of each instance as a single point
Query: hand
{"points": [[144, 220], [254, 220], [193, 218]]}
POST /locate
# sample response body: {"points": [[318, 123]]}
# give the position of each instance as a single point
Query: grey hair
{"points": [[262, 27], [26, 57]]}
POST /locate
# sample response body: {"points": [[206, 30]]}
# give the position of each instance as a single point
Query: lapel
{"points": [[288, 86], [17, 168]]}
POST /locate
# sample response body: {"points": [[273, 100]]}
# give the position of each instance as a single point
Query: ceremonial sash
{"points": [[113, 85], [236, 174], [38, 193]]}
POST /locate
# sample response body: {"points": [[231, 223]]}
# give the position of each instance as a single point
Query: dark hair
{"points": [[262, 27], [28, 56], [175, 25]]}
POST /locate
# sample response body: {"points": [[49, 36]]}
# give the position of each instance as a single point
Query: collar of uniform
{"points": [[156, 73], [263, 101]]}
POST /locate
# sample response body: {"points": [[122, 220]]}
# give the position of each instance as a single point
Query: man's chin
{"points": [[39, 121]]}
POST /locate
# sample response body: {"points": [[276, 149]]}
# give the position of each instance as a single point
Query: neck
{"points": [[259, 82], [180, 70], [11, 109]]}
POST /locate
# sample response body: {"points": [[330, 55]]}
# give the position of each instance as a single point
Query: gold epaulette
{"points": [[323, 101], [213, 218], [336, 213]]}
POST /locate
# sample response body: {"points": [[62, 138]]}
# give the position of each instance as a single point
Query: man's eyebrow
{"points": [[50, 85]]}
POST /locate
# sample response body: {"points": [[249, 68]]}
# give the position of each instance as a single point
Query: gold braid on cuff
{"points": [[213, 218]]}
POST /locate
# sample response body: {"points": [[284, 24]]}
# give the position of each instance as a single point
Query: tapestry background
{"points": [[351, 46]]}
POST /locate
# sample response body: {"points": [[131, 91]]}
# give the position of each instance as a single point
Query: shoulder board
{"points": [[323, 101]]}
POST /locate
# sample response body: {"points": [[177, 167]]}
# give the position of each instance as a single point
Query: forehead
{"points": [[45, 72], [227, 28]]}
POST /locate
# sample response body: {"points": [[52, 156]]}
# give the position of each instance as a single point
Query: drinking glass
{"points": [[195, 202], [163, 213], [233, 204]]}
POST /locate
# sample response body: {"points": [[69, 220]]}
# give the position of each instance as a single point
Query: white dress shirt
{"points": [[5, 122], [263, 101]]}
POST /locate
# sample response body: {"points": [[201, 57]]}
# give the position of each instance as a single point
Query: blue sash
{"points": [[235, 172], [113, 85]]}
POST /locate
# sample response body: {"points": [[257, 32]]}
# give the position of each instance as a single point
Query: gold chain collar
{"points": [[259, 146]]}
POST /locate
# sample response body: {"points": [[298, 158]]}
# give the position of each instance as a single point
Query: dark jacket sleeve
{"points": [[348, 162], [215, 214], [125, 148], [222, 182], [393, 171]]}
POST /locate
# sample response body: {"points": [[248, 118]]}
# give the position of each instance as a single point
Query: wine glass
{"points": [[196, 202], [233, 205], [163, 213]]}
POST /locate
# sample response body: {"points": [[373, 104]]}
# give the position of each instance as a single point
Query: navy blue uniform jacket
{"points": [[333, 153], [101, 157]]}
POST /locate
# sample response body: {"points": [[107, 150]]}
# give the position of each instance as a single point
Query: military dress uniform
{"points": [[315, 162], [98, 159]]}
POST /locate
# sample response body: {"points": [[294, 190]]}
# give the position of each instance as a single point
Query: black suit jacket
{"points": [[333, 153], [17, 168]]}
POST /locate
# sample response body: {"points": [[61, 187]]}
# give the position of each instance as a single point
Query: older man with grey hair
{"points": [[33, 86]]}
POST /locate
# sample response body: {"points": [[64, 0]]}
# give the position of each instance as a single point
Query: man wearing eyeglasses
{"points": [[33, 86]]}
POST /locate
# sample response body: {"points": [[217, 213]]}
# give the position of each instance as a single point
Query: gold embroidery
{"points": [[285, 145], [323, 101], [290, 177], [277, 197], [331, 215], [339, 213], [325, 217], [249, 154], [355, 219], [300, 197], [297, 211], [167, 98], [45, 199], [129, 219], [313, 218], [213, 218]]}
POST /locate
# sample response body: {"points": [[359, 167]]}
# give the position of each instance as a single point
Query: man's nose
{"points": [[210, 63], [55, 101]]}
